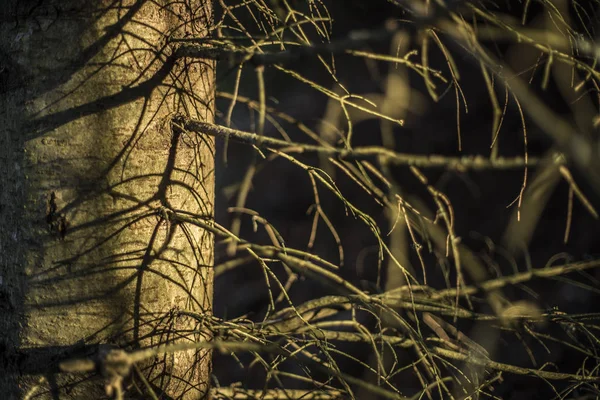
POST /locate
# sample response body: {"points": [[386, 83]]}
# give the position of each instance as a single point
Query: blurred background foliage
{"points": [[479, 84]]}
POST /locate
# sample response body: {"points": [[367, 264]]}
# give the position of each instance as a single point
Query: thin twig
{"points": [[360, 153]]}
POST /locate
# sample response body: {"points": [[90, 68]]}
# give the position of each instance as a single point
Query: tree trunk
{"points": [[88, 155]]}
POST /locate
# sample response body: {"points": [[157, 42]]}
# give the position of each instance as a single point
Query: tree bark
{"points": [[88, 156]]}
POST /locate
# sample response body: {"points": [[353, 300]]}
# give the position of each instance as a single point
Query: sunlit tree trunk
{"points": [[89, 154]]}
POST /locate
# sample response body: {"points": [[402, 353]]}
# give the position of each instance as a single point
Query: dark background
{"points": [[282, 194]]}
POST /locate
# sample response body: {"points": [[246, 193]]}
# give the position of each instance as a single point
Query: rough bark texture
{"points": [[88, 153]]}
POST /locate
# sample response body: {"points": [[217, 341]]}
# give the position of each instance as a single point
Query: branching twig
{"points": [[359, 153]]}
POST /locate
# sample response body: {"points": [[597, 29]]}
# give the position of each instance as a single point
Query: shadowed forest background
{"points": [[555, 227]]}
